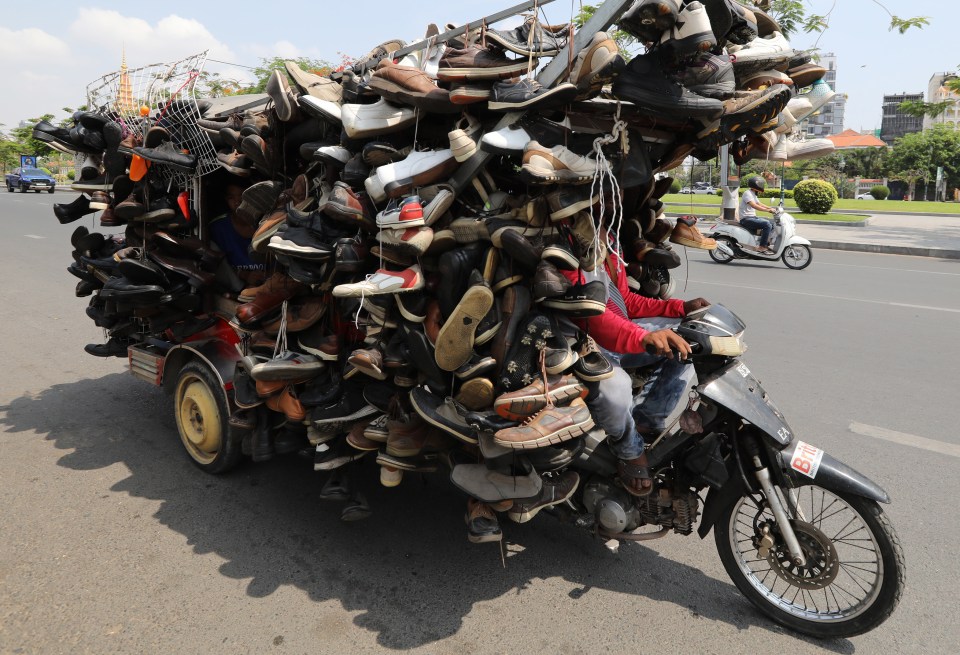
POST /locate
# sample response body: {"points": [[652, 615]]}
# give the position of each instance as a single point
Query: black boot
{"points": [[69, 212]]}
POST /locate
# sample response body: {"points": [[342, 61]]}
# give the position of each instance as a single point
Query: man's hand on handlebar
{"points": [[665, 342], [695, 304]]}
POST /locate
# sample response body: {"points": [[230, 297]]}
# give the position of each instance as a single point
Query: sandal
{"points": [[630, 472]]}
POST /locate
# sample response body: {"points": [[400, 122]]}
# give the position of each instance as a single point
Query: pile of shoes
{"points": [[421, 319]]}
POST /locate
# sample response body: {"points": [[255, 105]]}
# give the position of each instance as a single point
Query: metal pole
{"points": [[731, 186]]}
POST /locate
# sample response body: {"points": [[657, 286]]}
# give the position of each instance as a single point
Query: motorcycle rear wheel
{"points": [[854, 575]]}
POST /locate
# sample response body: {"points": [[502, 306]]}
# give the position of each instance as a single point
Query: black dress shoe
{"points": [[168, 155], [142, 272], [122, 290], [69, 212], [112, 348]]}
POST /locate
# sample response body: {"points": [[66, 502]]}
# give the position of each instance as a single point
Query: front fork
{"points": [[763, 476]]}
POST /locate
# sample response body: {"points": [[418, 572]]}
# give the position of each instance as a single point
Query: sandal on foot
{"points": [[629, 472]]}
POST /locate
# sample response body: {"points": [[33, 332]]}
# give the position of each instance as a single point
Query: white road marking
{"points": [[824, 295], [34, 236], [905, 439], [883, 268]]}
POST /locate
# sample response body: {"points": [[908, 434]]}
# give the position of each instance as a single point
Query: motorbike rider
{"points": [[749, 204], [635, 331]]}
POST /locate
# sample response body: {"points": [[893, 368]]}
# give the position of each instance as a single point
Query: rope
{"points": [[603, 174], [281, 344]]}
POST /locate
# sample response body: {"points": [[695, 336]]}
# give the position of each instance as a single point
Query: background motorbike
{"points": [[801, 534], [734, 241]]}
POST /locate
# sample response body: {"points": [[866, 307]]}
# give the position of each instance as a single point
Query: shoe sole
{"points": [[512, 47], [461, 96], [366, 410], [468, 230], [493, 73], [575, 208], [485, 538], [523, 517], [486, 365], [455, 340], [556, 96], [562, 259], [383, 459], [404, 186], [552, 439], [534, 175], [336, 463], [497, 150], [568, 361], [476, 394], [299, 372], [303, 252], [398, 95], [156, 216], [580, 308], [689, 243], [523, 352], [470, 439], [327, 357], [588, 377], [523, 407], [436, 208]]}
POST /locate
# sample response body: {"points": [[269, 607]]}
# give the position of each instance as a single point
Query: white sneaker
{"points": [[463, 138], [418, 169], [691, 33], [798, 105], [818, 95], [412, 242], [556, 165], [509, 140], [401, 214], [767, 52], [321, 108], [333, 155], [382, 282], [808, 149], [361, 121]]}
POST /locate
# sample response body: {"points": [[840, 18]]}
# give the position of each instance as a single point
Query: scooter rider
{"points": [[749, 204]]}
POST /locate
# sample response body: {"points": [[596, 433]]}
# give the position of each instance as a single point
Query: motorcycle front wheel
{"points": [[797, 257], [854, 573]]}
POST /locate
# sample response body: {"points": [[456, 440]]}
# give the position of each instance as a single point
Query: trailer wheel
{"points": [[201, 414]]}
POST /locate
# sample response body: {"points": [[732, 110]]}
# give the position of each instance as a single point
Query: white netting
{"points": [[165, 93]]}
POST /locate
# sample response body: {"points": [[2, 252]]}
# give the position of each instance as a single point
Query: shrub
{"points": [[814, 196], [775, 193], [71, 175], [675, 186], [879, 192]]}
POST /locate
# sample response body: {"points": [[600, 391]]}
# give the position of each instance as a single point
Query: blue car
{"points": [[26, 179]]}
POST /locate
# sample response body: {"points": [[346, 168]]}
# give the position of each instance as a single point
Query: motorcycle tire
{"points": [[800, 598], [797, 257], [718, 255]]}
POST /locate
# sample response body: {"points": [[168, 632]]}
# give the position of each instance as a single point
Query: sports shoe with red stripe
{"points": [[407, 213], [382, 282]]}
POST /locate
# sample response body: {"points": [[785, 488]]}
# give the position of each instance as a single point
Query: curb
{"points": [[941, 253], [865, 222], [878, 212]]}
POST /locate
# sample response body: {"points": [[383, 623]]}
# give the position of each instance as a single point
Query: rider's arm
{"points": [[761, 207]]}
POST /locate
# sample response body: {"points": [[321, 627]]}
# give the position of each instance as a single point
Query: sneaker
{"points": [[258, 199], [284, 99], [581, 300], [410, 242], [477, 63], [454, 344], [806, 74], [466, 93], [555, 490], [444, 414], [463, 138], [312, 84], [300, 242], [818, 95], [567, 201], [762, 53], [438, 199], [515, 95], [647, 20], [550, 426], [407, 438], [561, 256], [593, 60], [333, 455], [531, 38], [482, 524], [690, 34], [377, 430], [543, 165], [510, 140], [327, 110], [477, 365], [523, 403], [288, 366], [548, 282], [644, 83], [475, 394], [593, 365], [365, 121], [402, 214], [350, 407], [369, 362], [686, 234], [417, 169], [382, 282], [710, 76]]}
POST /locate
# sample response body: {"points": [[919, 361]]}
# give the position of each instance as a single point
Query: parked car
{"points": [[26, 179], [865, 196], [699, 189]]}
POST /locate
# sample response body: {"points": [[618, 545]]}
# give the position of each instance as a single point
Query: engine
{"points": [[617, 511]]}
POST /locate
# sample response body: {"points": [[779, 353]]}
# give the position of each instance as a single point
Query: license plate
{"points": [[806, 459]]}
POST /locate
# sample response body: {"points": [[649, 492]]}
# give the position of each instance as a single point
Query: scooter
{"points": [[734, 241]]}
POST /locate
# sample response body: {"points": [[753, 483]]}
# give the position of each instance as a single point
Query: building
{"points": [[829, 120], [938, 92], [895, 123], [853, 140]]}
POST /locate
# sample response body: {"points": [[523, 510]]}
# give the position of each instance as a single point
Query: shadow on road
{"points": [[408, 572]]}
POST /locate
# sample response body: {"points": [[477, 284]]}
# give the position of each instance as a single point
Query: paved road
{"points": [[111, 541]]}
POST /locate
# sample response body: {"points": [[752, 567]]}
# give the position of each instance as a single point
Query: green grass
{"points": [[861, 205], [834, 218]]}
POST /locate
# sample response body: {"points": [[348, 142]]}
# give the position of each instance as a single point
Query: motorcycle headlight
{"points": [[727, 346]]}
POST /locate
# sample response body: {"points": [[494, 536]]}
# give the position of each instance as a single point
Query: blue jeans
{"points": [[619, 413], [753, 224]]}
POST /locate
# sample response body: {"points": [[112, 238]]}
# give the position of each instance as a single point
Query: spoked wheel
{"points": [[718, 255], [797, 257], [854, 572], [201, 414]]}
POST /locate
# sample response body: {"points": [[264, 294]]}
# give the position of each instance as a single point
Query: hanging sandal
{"points": [[629, 472]]}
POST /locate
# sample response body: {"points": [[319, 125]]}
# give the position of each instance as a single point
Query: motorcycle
{"points": [[801, 534], [734, 241]]}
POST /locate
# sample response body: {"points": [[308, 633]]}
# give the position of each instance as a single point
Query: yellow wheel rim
{"points": [[198, 420]]}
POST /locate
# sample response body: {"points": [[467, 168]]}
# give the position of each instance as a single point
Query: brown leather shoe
{"points": [[410, 86], [660, 231], [109, 218], [267, 300], [476, 63], [686, 234], [407, 438], [250, 293], [301, 314], [368, 361], [553, 425], [287, 404]]}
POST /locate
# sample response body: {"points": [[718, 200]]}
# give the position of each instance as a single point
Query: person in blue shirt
{"points": [[232, 235]]}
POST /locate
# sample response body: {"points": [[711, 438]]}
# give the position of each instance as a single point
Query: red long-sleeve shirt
{"points": [[616, 332]]}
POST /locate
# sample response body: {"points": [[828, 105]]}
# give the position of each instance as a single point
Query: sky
{"points": [[50, 56]]}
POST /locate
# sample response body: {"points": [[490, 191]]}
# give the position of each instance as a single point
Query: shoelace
{"points": [[281, 344], [603, 173]]}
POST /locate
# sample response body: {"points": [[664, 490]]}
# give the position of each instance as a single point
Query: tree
{"points": [[917, 156], [24, 137], [268, 65]]}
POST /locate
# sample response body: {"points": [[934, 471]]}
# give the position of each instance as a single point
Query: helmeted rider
{"points": [[749, 204]]}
